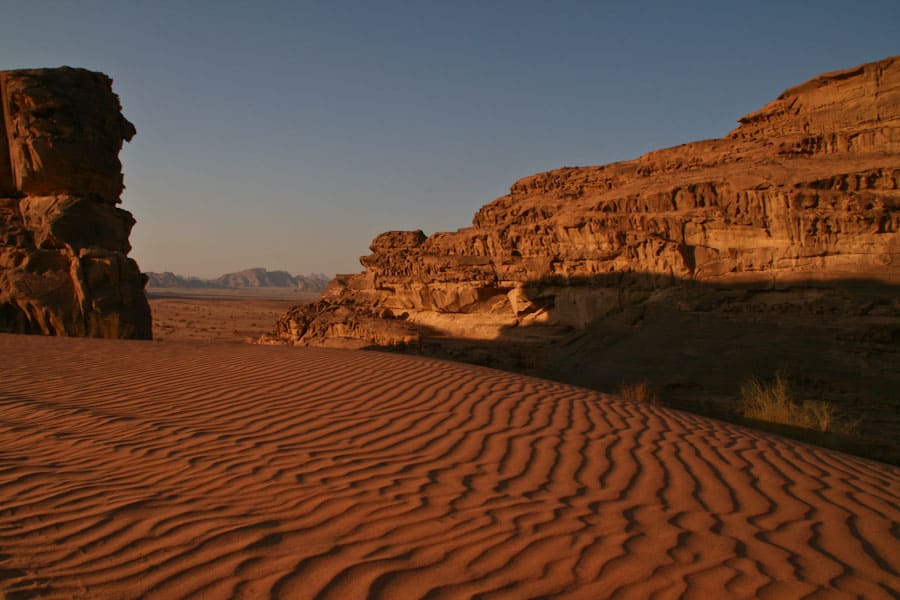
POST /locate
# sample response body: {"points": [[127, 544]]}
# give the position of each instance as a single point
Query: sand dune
{"points": [[167, 470]]}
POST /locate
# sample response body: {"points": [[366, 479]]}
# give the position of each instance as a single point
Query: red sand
{"points": [[169, 470]]}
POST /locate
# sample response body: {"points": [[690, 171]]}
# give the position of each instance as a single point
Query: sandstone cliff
{"points": [[64, 266], [805, 189]]}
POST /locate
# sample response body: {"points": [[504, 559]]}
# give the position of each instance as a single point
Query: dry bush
{"points": [[774, 403], [640, 392]]}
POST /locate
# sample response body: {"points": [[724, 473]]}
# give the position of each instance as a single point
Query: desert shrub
{"points": [[640, 392], [773, 402]]}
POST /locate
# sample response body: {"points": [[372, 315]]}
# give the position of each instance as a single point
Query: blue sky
{"points": [[288, 134]]}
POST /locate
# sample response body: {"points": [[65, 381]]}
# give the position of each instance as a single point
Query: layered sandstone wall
{"points": [[64, 266], [806, 191]]}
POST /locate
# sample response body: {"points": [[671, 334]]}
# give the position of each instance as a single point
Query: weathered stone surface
{"points": [[805, 191], [64, 268]]}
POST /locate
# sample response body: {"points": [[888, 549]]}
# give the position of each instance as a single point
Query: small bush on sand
{"points": [[640, 392], [774, 403]]}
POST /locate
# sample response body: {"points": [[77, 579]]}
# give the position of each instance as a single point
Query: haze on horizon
{"points": [[287, 135]]}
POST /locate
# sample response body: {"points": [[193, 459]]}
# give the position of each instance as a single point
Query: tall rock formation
{"points": [[804, 190], [64, 266]]}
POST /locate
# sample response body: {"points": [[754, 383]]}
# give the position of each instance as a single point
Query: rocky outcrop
{"points": [[805, 191], [64, 266]]}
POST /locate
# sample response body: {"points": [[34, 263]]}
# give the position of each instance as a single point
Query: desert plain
{"points": [[219, 315]]}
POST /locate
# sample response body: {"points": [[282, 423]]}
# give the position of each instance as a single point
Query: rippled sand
{"points": [[140, 469]]}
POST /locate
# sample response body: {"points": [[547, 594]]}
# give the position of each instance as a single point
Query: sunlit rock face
{"points": [[804, 193], [64, 266]]}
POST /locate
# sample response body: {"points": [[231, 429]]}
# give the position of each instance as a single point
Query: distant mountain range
{"points": [[248, 278]]}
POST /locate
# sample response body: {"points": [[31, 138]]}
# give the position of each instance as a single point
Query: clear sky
{"points": [[288, 134]]}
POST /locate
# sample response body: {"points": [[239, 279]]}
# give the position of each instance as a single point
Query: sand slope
{"points": [[168, 470]]}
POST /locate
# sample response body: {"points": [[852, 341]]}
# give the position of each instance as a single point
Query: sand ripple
{"points": [[138, 469]]}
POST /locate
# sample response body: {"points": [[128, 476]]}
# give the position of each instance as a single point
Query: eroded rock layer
{"points": [[64, 266], [805, 192]]}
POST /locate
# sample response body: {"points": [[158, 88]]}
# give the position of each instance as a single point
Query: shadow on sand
{"points": [[837, 341]]}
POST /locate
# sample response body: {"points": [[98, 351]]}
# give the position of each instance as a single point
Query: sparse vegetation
{"points": [[773, 402], [640, 392]]}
